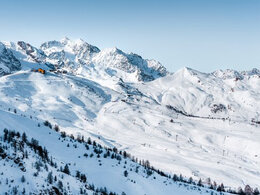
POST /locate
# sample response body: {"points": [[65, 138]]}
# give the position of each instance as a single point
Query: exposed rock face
{"points": [[35, 54], [8, 61]]}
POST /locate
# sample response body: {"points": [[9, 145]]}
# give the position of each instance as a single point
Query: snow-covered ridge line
{"points": [[79, 57]]}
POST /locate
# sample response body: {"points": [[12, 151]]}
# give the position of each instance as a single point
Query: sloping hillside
{"points": [[37, 157], [200, 125]]}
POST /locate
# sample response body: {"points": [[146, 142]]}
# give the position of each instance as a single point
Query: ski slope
{"points": [[203, 125], [103, 172]]}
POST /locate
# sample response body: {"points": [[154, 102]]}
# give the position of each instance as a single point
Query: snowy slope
{"points": [[126, 120], [101, 169], [204, 125], [207, 95]]}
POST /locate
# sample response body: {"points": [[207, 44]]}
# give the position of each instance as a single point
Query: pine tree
{"points": [[89, 141], [26, 154], [208, 181], [256, 191], [60, 184], [56, 128], [83, 178], [124, 154], [240, 191], [248, 190], [15, 190], [24, 137], [125, 173], [190, 180], [23, 179], [50, 178], [77, 174], [5, 135], [200, 183], [66, 169], [221, 188], [37, 166], [175, 177]]}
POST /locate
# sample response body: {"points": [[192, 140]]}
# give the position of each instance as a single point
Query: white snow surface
{"points": [[102, 172], [188, 122]]}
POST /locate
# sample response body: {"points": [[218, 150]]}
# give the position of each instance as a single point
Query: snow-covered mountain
{"points": [[8, 61], [228, 95], [200, 125]]}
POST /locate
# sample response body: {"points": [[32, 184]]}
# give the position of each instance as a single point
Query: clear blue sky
{"points": [[201, 34]]}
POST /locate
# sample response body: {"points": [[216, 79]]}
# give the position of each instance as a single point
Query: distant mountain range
{"points": [[199, 125]]}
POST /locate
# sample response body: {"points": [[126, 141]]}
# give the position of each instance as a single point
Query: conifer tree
{"points": [[66, 169]]}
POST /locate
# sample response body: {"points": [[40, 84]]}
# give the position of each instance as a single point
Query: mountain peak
{"points": [[68, 41], [65, 40], [252, 72], [80, 41], [8, 62], [113, 50], [187, 71], [78, 56], [2, 47], [227, 74]]}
